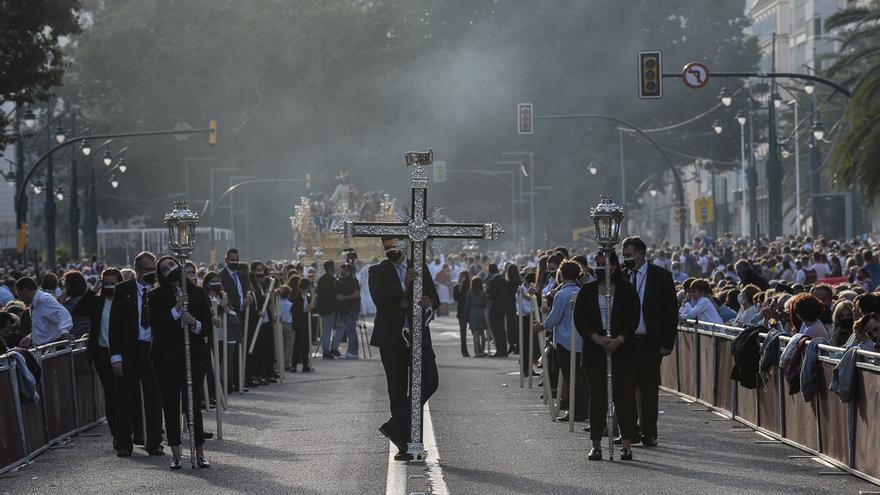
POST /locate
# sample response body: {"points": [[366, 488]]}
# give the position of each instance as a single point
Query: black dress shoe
{"points": [[619, 441], [175, 464], [203, 463], [626, 454], [156, 451], [595, 454], [465, 354], [649, 442], [124, 452], [386, 431], [307, 369], [402, 455], [329, 356], [209, 434]]}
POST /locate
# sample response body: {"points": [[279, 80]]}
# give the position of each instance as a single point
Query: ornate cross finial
{"points": [[419, 159]]}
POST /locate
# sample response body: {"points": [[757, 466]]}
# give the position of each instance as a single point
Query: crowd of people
{"points": [[132, 316]]}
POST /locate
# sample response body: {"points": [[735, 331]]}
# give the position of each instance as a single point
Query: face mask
{"points": [[150, 277], [261, 274], [107, 291], [629, 263], [174, 275], [232, 265], [846, 322], [600, 274], [214, 286], [393, 254]]}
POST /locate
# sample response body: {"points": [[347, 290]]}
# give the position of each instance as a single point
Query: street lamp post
{"points": [[49, 206], [741, 119]]}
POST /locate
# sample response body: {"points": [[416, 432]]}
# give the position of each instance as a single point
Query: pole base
{"points": [[417, 451]]}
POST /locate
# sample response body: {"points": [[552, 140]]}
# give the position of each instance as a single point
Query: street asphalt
{"points": [[316, 434]]}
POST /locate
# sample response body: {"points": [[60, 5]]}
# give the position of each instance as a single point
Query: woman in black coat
{"points": [[589, 313], [299, 311], [459, 295], [168, 355]]}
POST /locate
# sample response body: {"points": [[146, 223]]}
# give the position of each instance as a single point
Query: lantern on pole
{"points": [[181, 223], [607, 218]]}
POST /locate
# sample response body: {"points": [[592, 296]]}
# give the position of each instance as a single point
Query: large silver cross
{"points": [[418, 229]]}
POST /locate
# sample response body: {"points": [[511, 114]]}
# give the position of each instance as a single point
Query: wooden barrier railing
{"points": [[845, 435], [71, 401]]}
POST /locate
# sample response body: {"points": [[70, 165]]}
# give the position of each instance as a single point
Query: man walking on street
{"points": [[326, 307]]}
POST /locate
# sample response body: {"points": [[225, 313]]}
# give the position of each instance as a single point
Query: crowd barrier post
{"points": [[242, 354], [522, 353], [572, 363], [16, 400]]}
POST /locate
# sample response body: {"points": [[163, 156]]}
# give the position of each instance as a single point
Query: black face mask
{"points": [[845, 323], [629, 263], [232, 265], [107, 291], [150, 277], [214, 286], [600, 274], [393, 255], [261, 274], [174, 275]]}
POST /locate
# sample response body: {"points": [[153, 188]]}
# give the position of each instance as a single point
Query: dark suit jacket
{"points": [[387, 292], [91, 306], [660, 307], [299, 313], [167, 335], [231, 289], [624, 318], [124, 321], [326, 303]]}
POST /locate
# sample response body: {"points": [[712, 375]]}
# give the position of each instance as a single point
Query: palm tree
{"points": [[856, 156]]}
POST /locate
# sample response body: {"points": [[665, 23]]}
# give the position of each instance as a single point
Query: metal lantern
{"points": [[181, 223], [607, 216]]}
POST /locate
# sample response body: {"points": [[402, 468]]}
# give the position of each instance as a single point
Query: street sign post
{"points": [[695, 75]]}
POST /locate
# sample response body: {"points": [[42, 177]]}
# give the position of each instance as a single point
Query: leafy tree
{"points": [[31, 60], [857, 65]]}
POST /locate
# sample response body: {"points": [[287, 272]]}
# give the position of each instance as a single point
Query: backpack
{"points": [[746, 355], [810, 276]]}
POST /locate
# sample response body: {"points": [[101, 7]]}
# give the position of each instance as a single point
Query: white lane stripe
{"points": [[434, 471], [395, 481]]}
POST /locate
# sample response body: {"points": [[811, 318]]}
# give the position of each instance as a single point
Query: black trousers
{"points": [[301, 344], [266, 351], [462, 329], [137, 375], [396, 361], [172, 383], [530, 351], [623, 371], [101, 363], [497, 323], [647, 380], [580, 388]]}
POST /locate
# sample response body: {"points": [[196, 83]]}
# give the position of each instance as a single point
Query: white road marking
{"points": [[432, 463], [395, 481]]}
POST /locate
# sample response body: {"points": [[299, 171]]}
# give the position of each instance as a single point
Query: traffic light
{"points": [[212, 132], [308, 181], [525, 118], [21, 238], [681, 215], [650, 75]]}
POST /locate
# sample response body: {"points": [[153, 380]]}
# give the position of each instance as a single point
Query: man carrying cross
{"points": [[391, 286], [399, 329]]}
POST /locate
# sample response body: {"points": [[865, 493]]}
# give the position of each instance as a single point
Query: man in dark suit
{"points": [[96, 305], [235, 286], [655, 336], [499, 293], [391, 283], [130, 339]]}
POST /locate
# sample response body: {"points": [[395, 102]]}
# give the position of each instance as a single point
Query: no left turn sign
{"points": [[695, 75]]}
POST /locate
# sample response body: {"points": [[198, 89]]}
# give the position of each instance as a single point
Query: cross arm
{"points": [[465, 230], [349, 229]]}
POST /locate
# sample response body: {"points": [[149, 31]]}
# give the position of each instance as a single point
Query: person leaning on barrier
{"points": [[95, 305], [866, 333], [50, 321]]}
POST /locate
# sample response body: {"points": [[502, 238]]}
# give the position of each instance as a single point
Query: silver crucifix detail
{"points": [[418, 229]]}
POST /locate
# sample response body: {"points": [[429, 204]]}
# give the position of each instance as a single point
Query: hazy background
{"points": [[323, 86]]}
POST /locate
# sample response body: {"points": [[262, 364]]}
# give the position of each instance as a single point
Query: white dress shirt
{"points": [[400, 267], [104, 336], [703, 310], [49, 319], [641, 277], [145, 334]]}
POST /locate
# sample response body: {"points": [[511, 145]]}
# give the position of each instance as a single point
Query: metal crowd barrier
{"points": [[71, 400], [844, 435]]}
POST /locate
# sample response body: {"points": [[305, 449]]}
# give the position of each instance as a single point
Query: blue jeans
{"points": [[348, 323], [329, 325]]}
